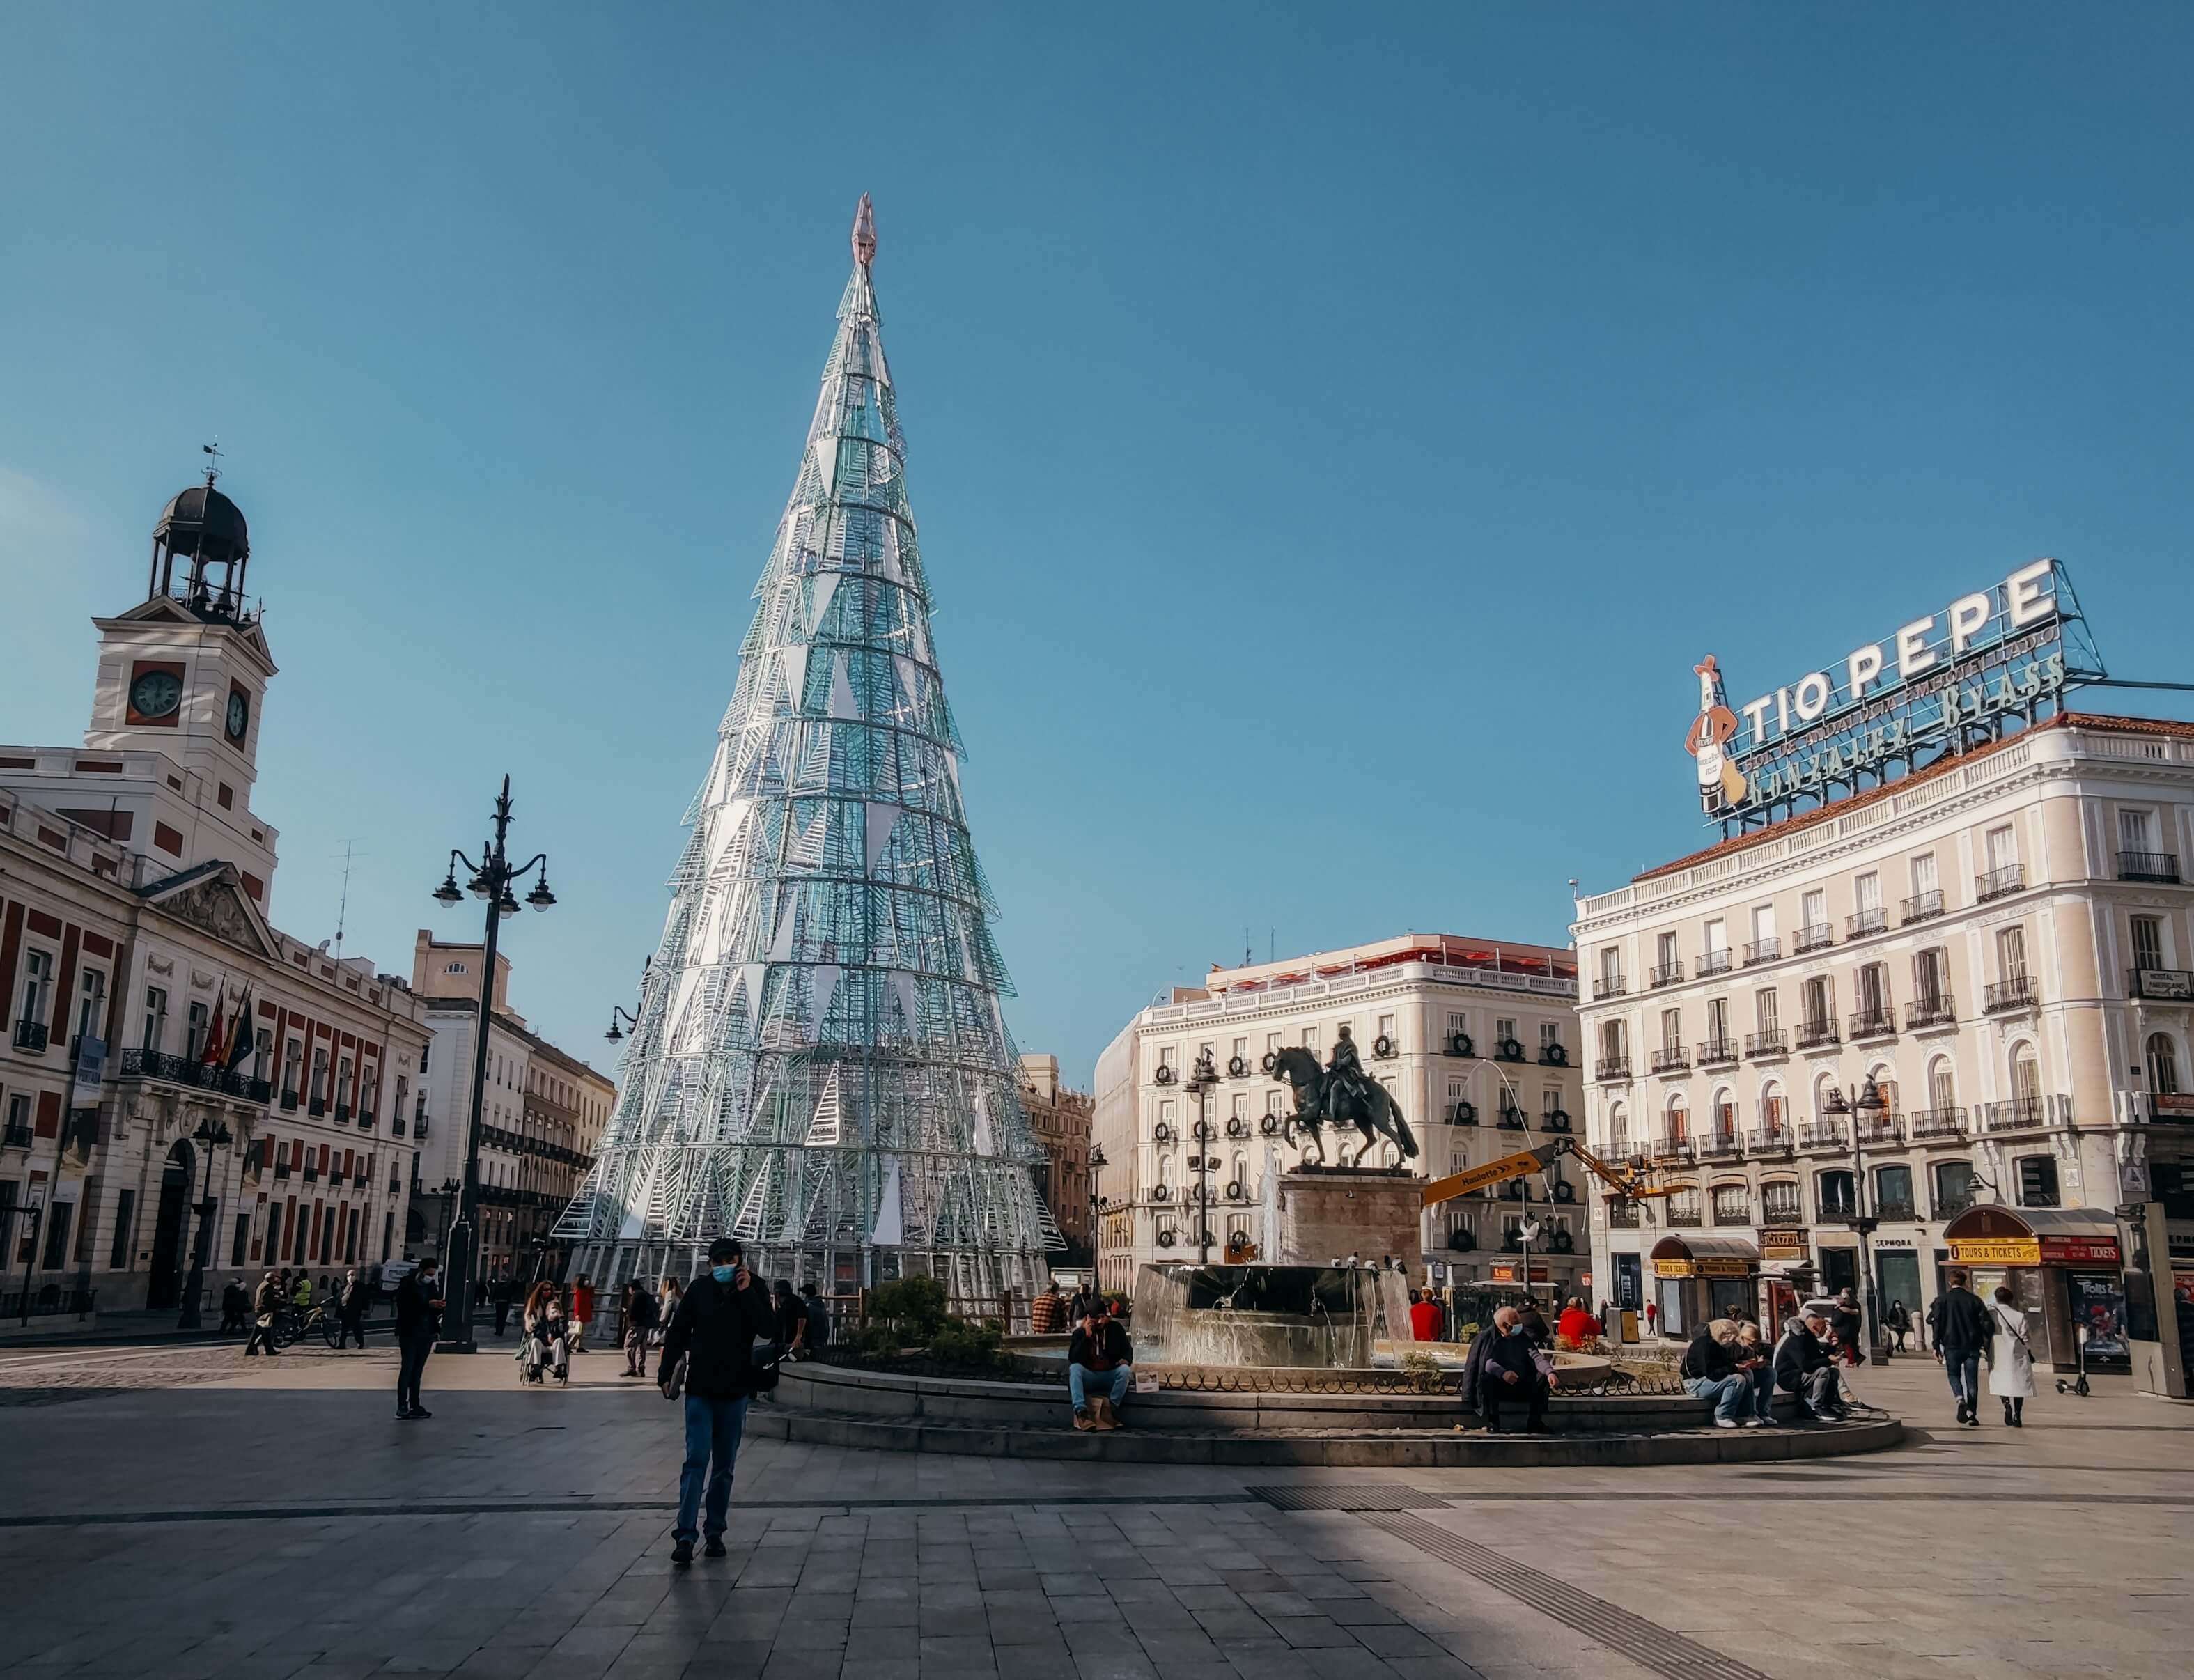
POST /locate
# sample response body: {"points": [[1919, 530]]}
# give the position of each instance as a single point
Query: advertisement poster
{"points": [[2099, 1304]]}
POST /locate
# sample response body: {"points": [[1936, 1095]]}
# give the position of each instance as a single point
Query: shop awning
{"points": [[2033, 1236], [1704, 1256]]}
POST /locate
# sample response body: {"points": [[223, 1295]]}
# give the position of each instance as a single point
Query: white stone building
{"points": [[1477, 1041], [2002, 942]]}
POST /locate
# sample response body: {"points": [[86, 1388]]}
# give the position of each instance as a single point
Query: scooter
{"points": [[2078, 1385]]}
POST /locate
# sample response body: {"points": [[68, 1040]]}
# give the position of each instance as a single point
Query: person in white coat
{"points": [[2010, 1362]]}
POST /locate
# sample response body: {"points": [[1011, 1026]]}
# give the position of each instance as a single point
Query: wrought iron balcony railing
{"points": [[1921, 908], [1608, 986], [2000, 882], [1822, 1135], [2148, 866], [1879, 1022], [1763, 951], [1768, 1041], [1922, 1123], [2015, 993], [1672, 1059], [1812, 1034], [1717, 1050], [1613, 1067], [2017, 1113], [2169, 985], [1940, 1010], [1715, 962], [1870, 921], [31, 1036], [1813, 936], [1666, 974]]}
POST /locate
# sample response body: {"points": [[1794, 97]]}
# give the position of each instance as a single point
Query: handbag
{"points": [[673, 1381]]}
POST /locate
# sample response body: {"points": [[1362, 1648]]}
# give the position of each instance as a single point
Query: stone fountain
{"points": [[1322, 1317]]}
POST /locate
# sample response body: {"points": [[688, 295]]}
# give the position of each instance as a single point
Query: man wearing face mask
{"points": [[1500, 1368], [712, 1336]]}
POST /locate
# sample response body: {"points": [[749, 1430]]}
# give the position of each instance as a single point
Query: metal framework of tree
{"points": [[821, 1065]]}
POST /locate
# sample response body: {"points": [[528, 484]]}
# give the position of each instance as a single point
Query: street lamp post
{"points": [[620, 1017], [1097, 1165], [1201, 1083], [210, 1135], [492, 877], [1868, 1103]]}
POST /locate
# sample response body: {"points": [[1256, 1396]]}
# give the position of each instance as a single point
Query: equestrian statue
{"points": [[1340, 1093]]}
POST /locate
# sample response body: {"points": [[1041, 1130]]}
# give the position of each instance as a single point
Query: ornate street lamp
{"points": [[619, 1014], [1868, 1106], [1097, 1165], [1201, 1083], [492, 876], [211, 1134]]}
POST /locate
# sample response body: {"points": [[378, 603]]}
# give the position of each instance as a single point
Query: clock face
{"points": [[239, 714], [156, 693]]}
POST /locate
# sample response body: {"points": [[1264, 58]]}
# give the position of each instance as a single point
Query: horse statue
{"points": [[1319, 1100]]}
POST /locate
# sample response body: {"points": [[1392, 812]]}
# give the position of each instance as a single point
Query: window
{"points": [[1779, 1202], [1618, 1131], [1813, 909], [453, 968], [2011, 952], [319, 1089], [1550, 1034], [2037, 1181], [2026, 1076], [194, 1040], [125, 1214], [1504, 1029], [1717, 1021], [1833, 1192], [156, 1018], [1684, 1206], [1550, 1100], [1387, 1027], [1819, 1001], [1930, 977], [1892, 1191], [1310, 1038], [240, 1240], [1874, 990], [292, 1057], [1271, 1043], [1763, 923], [59, 1217], [38, 979], [262, 1053], [1732, 1205], [1942, 1085], [1765, 1012], [1679, 1120], [2002, 846], [1665, 953], [2162, 1066], [1610, 967], [1954, 1188], [91, 1004], [2136, 831], [1771, 1112], [1923, 875], [2148, 942], [1868, 887], [1671, 1029]]}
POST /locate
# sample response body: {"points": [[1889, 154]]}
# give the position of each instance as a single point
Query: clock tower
{"points": [[182, 676]]}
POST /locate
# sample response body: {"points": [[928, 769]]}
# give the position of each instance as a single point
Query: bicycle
{"points": [[291, 1326]]}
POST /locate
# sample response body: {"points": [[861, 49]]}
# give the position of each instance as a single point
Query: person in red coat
{"points": [[1425, 1317], [1576, 1326]]}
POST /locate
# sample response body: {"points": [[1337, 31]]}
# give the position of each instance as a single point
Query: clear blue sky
{"points": [[1334, 432]]}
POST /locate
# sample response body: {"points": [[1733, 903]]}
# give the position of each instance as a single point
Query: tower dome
{"points": [[202, 535]]}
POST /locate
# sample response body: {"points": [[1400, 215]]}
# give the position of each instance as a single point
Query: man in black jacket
{"points": [[1709, 1372], [712, 1335], [1099, 1353], [1959, 1325], [355, 1300], [1803, 1366], [1500, 1367], [418, 1316]]}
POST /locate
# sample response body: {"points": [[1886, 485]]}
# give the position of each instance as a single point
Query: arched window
{"points": [[1680, 1120], [1725, 1117], [1618, 1130], [2163, 1065], [1773, 1117], [1941, 1084], [2025, 1083]]}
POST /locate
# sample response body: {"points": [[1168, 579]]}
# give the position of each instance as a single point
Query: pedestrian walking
{"points": [[636, 1320], [792, 1321], [355, 1299], [266, 1306], [505, 1294], [1899, 1323], [583, 1311], [1848, 1328], [234, 1303], [1652, 1319], [418, 1315], [1962, 1328], [708, 1356], [2011, 1358], [1804, 1368]]}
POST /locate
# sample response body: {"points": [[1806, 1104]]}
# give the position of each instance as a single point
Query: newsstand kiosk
{"points": [[2065, 1268]]}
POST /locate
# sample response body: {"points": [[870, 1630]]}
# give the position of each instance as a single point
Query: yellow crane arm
{"points": [[1528, 1161]]}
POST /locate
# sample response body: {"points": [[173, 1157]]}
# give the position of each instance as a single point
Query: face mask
{"points": [[723, 1274], [1515, 1329]]}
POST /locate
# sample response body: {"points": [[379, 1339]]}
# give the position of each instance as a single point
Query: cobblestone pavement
{"points": [[200, 1516]]}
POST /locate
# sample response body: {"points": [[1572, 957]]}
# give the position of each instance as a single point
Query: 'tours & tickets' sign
{"points": [[1938, 684]]}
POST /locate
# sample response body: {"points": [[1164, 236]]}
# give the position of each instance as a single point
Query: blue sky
{"points": [[1335, 432]]}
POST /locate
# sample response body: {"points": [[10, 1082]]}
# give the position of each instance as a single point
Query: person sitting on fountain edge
{"points": [[1500, 1367], [1098, 1355]]}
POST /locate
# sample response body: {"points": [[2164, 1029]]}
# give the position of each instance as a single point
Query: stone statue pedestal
{"points": [[1331, 1213]]}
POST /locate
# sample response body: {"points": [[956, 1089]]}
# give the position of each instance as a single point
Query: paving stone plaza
{"points": [[180, 1511]]}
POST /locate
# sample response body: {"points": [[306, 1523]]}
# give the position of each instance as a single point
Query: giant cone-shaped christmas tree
{"points": [[821, 1065]]}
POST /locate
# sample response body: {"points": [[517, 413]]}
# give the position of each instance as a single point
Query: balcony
{"points": [[31, 1036], [1608, 986], [367, 1119], [1685, 1218], [316, 1107], [1621, 1214], [289, 1103], [15, 1137], [2015, 993], [1673, 1149], [1667, 973], [1949, 1207], [1879, 1022], [2021, 1114], [1813, 936], [342, 1113], [1613, 1067], [1768, 1140], [1763, 951], [419, 1129], [1672, 1059], [2161, 867], [2000, 882], [1941, 1010], [1715, 962], [1879, 1131], [1923, 1123], [1782, 1216], [1921, 908], [1512, 1119], [281, 1169], [1817, 1035], [1898, 1213], [1718, 1143], [2171, 985], [1716, 1051], [1874, 920], [1822, 1135], [1771, 1041]]}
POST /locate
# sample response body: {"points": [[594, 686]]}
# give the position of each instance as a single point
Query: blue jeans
{"points": [[1728, 1393], [1114, 1382], [1762, 1383], [1963, 1366], [713, 1428]]}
